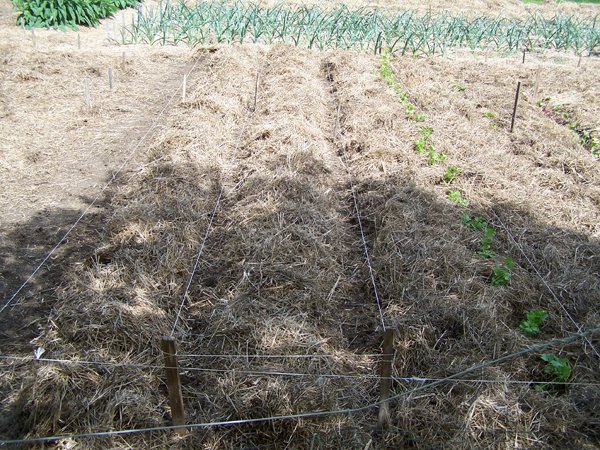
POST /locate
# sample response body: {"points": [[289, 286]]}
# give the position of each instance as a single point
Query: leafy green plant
{"points": [[477, 223], [489, 114], [532, 322], [451, 174], [559, 368], [456, 197], [486, 243], [501, 274], [421, 143], [433, 156], [66, 13]]}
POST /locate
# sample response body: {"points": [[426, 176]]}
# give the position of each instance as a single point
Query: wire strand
{"points": [[314, 414], [95, 200], [251, 372]]}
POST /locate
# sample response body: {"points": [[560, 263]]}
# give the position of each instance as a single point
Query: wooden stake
{"points": [[386, 377], [512, 122], [173, 382], [184, 88], [524, 51], [110, 78], [78, 41], [86, 93], [536, 85], [255, 92]]}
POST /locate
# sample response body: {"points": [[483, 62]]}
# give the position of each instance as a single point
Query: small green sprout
{"points": [[477, 223], [559, 368], [486, 243], [456, 197], [489, 114], [460, 87], [501, 274], [434, 157], [451, 174], [531, 324]]}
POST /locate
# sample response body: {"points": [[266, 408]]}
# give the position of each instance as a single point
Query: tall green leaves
{"points": [[364, 28], [66, 13]]}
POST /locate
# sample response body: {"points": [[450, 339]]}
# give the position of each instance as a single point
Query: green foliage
{"points": [[459, 87], [531, 324], [559, 368], [489, 115], [486, 243], [421, 143], [456, 197], [477, 223], [362, 28], [501, 274], [66, 13], [433, 156], [451, 174], [386, 72]]}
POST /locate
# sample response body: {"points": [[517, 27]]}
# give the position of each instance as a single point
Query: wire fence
{"points": [[425, 385], [424, 382]]}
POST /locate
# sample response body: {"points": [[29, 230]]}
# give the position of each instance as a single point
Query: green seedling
{"points": [[477, 223], [451, 174], [501, 274], [557, 367], [489, 115], [531, 324], [421, 143], [456, 197], [486, 244], [460, 87], [434, 157]]}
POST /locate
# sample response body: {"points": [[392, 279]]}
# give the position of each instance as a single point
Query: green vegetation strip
{"points": [[365, 28], [66, 13]]}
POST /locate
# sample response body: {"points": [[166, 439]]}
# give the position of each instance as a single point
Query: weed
{"points": [[501, 274], [531, 324], [451, 174], [456, 197]]}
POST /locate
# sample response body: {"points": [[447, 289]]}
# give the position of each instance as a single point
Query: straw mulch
{"points": [[283, 272]]}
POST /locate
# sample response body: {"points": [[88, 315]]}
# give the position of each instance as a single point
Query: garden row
{"points": [[364, 28]]}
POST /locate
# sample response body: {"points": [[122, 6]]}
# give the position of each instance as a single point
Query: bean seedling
{"points": [[451, 174], [486, 243], [477, 223], [456, 197], [531, 324], [501, 274]]}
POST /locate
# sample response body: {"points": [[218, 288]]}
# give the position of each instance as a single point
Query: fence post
{"points": [[386, 378], [512, 122], [173, 382]]}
